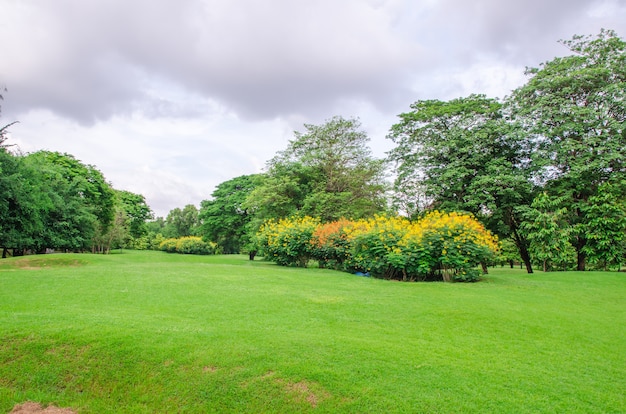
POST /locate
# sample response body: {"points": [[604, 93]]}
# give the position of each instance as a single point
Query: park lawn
{"points": [[144, 332]]}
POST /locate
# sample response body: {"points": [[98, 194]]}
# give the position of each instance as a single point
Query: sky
{"points": [[169, 98]]}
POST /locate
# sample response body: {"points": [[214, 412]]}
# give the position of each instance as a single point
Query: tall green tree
{"points": [[136, 211], [327, 171], [549, 233], [468, 157], [605, 227], [575, 106], [21, 222], [76, 202], [224, 219]]}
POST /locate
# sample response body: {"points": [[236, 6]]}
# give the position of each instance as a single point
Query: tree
{"points": [[20, 219], [548, 231], [575, 106], [468, 157], [181, 223], [224, 219], [136, 211], [326, 172], [75, 202], [605, 227]]}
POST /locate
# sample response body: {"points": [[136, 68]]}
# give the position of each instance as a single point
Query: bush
{"points": [[288, 242], [168, 245], [440, 246], [331, 247], [188, 245]]}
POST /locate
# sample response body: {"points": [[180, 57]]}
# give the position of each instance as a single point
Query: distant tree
{"points": [[224, 219], [136, 210], [327, 171], [576, 108], [182, 223], [156, 225], [466, 156]]}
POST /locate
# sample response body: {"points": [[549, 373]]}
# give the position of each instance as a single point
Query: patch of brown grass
{"points": [[36, 408]]}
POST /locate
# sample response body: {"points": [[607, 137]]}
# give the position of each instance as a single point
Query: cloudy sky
{"points": [[169, 98]]}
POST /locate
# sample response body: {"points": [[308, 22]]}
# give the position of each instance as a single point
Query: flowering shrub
{"points": [[188, 245], [331, 247], [440, 246], [288, 241], [373, 242], [446, 246]]}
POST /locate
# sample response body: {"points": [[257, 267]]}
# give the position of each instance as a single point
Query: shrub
{"points": [[168, 245], [440, 246], [188, 245], [331, 247], [288, 242]]}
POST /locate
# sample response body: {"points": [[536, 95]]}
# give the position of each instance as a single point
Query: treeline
{"points": [[52, 201], [543, 169]]}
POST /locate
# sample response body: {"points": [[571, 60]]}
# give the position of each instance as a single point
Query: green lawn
{"points": [[144, 332]]}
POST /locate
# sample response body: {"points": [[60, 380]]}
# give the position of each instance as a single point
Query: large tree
{"points": [[76, 203], [224, 219], [21, 221], [469, 157], [327, 171], [576, 108]]}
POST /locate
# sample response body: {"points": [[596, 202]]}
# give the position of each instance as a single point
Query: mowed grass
{"points": [[146, 332]]}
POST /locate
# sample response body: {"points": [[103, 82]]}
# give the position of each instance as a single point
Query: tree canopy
{"points": [[327, 171], [469, 157]]}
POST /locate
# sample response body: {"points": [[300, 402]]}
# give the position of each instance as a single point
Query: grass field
{"points": [[145, 332]]}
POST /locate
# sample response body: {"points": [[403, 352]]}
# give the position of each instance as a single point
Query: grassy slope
{"points": [[151, 332]]}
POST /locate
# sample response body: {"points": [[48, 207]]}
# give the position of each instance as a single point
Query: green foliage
{"points": [[136, 211], [288, 242], [188, 245], [224, 219], [182, 223], [168, 245], [549, 232], [326, 171], [576, 107], [605, 226], [464, 155]]}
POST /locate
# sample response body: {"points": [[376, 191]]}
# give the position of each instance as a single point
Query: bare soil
{"points": [[36, 408]]}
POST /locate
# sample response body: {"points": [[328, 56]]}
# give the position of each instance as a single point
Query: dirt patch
{"points": [[307, 392], [302, 391], [36, 408]]}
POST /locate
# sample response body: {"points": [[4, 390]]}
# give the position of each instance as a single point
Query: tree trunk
{"points": [[252, 254], [522, 246], [484, 266]]}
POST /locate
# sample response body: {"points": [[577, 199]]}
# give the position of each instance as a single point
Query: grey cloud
{"points": [[91, 60]]}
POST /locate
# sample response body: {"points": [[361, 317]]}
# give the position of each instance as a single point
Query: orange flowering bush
{"points": [[331, 247]]}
